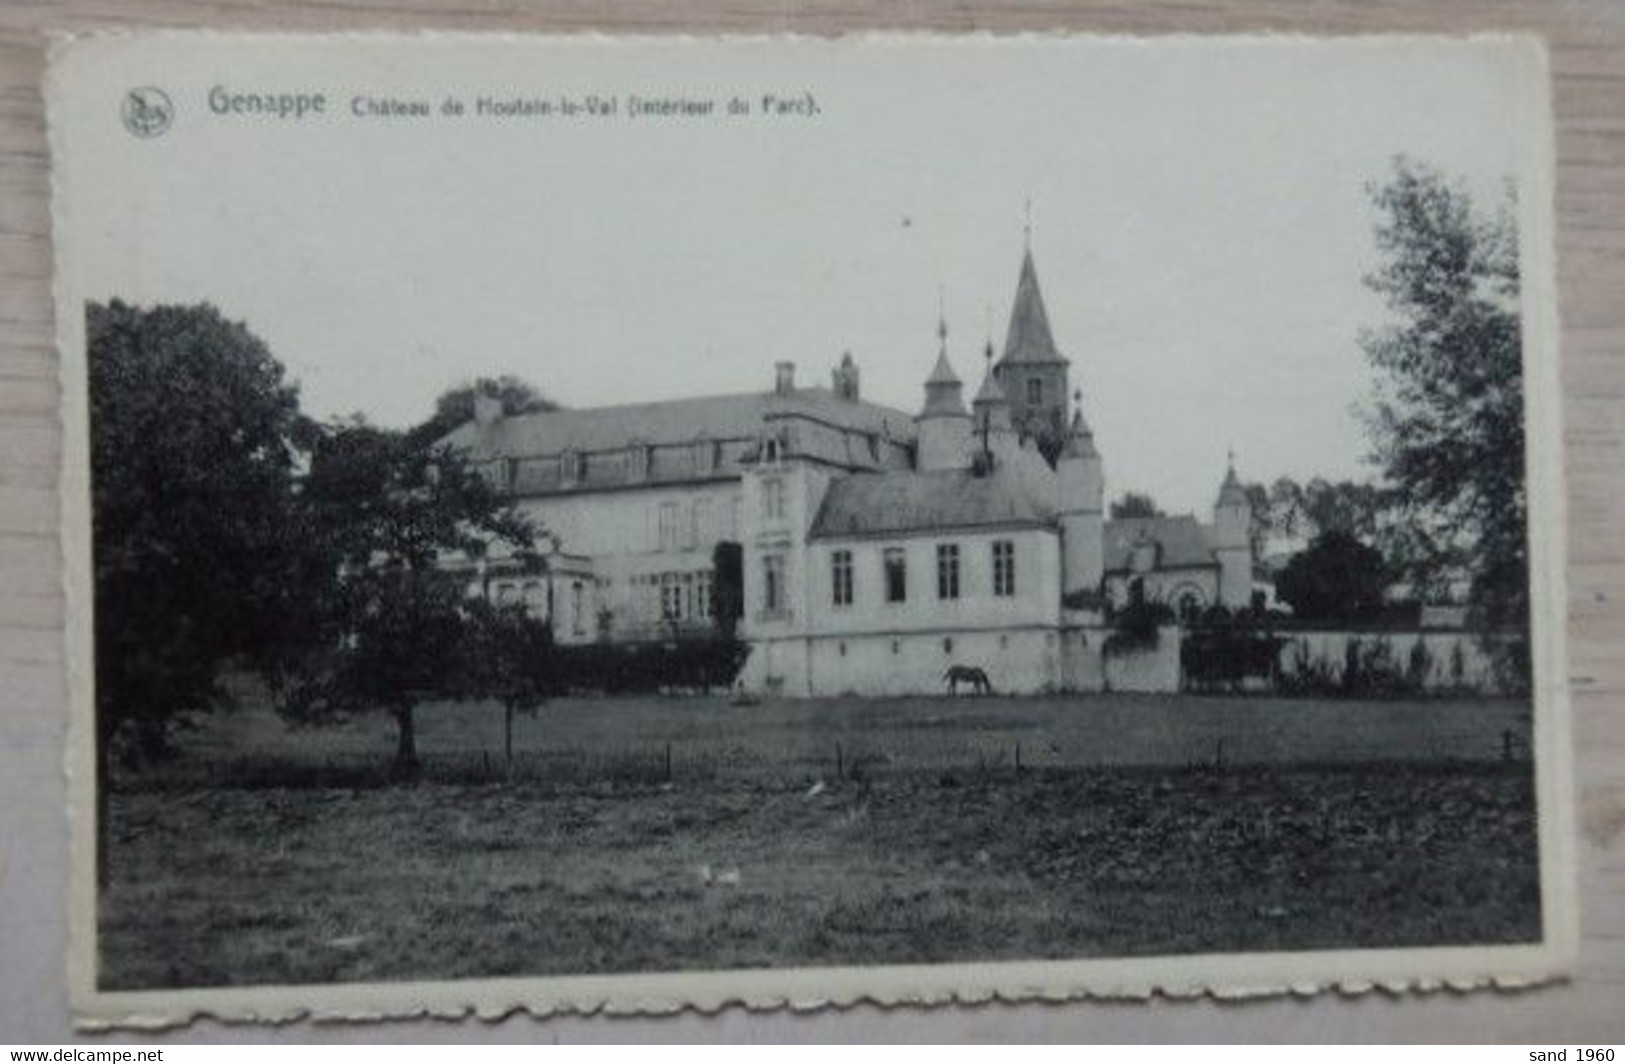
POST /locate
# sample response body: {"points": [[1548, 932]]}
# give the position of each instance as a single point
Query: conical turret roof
{"points": [[944, 395], [1231, 493], [943, 371], [1029, 339], [990, 393], [1080, 440]]}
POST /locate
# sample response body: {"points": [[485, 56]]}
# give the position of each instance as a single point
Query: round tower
{"points": [[1232, 540], [1081, 487], [943, 426]]}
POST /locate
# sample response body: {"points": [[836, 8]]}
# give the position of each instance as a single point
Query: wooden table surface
{"points": [[1587, 39]]}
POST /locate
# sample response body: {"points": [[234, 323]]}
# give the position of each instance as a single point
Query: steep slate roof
{"points": [[1184, 542], [869, 504], [669, 422], [1029, 338]]}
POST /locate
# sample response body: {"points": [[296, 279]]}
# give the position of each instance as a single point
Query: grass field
{"points": [[273, 856]]}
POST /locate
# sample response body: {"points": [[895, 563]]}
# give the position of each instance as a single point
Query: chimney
{"points": [[845, 378], [487, 410], [784, 379]]}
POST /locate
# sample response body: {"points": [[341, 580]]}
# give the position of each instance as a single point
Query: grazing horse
{"points": [[958, 674]]}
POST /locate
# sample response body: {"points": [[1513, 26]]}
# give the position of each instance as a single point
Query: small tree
{"points": [[512, 660], [1337, 579], [400, 626]]}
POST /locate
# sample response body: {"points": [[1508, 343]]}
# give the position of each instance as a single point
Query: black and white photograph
{"points": [[639, 523]]}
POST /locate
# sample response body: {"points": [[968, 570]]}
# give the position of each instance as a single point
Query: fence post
{"points": [[1506, 745], [668, 762], [840, 772], [1018, 759], [1218, 755]]}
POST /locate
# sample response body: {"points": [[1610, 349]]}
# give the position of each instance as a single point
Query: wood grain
{"points": [[1587, 38]]}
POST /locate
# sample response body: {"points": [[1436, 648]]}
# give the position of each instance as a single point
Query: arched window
{"points": [[1188, 602]]}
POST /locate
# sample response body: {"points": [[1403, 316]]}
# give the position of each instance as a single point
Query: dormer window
{"points": [[770, 450], [705, 456]]}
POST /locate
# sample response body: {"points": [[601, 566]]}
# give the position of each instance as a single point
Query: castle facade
{"points": [[876, 548]]}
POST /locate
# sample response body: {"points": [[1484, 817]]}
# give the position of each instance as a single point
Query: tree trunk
{"points": [[406, 748]]}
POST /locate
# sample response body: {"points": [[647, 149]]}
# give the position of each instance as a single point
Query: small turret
{"points": [[991, 407], [1232, 539], [1081, 490], [943, 426]]}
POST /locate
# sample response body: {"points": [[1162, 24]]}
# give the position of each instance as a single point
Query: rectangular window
{"points": [[1004, 568], [773, 583], [670, 522], [840, 567], [896, 564], [671, 597], [705, 528], [773, 498], [578, 608], [704, 601], [1035, 392], [947, 570]]}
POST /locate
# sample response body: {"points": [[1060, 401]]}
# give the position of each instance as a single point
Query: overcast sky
{"points": [[1199, 219]]}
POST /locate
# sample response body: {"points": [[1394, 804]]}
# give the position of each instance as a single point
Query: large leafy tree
{"points": [[1448, 421], [399, 524], [456, 404], [198, 556], [1337, 578]]}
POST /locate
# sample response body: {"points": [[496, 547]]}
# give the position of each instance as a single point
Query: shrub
{"points": [[699, 664], [1137, 626]]}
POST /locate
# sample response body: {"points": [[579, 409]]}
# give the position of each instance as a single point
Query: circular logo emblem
{"points": [[147, 111]]}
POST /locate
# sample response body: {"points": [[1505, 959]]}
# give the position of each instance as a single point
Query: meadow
{"points": [[660, 834]]}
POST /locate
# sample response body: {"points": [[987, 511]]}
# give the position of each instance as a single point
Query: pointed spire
{"points": [[1029, 338]]}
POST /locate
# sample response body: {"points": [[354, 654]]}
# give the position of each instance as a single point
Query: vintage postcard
{"points": [[634, 524]]}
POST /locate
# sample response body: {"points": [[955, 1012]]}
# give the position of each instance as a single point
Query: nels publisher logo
{"points": [[147, 111]]}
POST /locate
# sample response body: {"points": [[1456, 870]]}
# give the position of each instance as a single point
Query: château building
{"points": [[877, 547]]}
